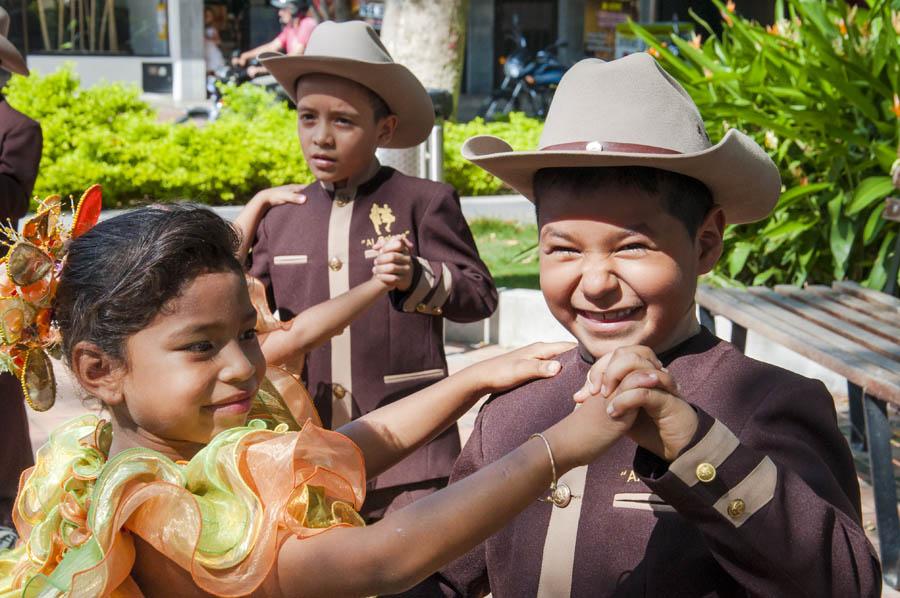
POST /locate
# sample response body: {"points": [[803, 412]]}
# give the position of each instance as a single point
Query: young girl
{"points": [[181, 496]]}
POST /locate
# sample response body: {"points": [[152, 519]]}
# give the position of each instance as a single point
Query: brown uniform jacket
{"points": [[307, 254], [644, 529], [20, 154]]}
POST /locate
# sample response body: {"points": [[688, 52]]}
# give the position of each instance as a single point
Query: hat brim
{"points": [[742, 178], [394, 83], [10, 59]]}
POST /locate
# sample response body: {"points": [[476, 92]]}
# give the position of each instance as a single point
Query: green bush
{"points": [[819, 90], [519, 131], [106, 134]]}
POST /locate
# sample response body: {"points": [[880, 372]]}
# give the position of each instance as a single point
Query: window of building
{"points": [[103, 27]]}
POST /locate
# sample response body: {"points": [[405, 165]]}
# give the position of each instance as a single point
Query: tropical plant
{"points": [[819, 90]]}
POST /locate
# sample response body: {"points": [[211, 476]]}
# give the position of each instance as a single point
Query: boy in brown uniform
{"points": [[352, 98], [734, 479]]}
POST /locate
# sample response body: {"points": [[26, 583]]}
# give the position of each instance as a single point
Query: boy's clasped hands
{"points": [[643, 397]]}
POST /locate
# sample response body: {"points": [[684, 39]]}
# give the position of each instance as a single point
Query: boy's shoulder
{"points": [[718, 377], [535, 405], [394, 181]]}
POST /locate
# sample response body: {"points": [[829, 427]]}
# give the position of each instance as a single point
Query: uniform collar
{"points": [[353, 183]]}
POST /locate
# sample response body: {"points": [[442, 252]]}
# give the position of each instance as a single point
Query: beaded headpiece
{"points": [[29, 274]]}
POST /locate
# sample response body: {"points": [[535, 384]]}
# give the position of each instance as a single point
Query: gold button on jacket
{"points": [[736, 508], [335, 263], [706, 472], [339, 391]]}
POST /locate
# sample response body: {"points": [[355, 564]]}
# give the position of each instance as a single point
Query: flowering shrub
{"points": [[819, 90]]}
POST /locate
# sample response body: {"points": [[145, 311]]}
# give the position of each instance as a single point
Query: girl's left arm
{"points": [[392, 432]]}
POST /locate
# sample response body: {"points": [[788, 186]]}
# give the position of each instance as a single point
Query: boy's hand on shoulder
{"points": [[393, 264], [517, 367], [636, 386]]}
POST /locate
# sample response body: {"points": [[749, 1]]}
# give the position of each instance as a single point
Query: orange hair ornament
{"points": [[28, 277]]}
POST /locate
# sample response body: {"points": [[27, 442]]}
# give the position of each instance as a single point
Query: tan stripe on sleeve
{"points": [[714, 448], [750, 495], [423, 287], [442, 293]]}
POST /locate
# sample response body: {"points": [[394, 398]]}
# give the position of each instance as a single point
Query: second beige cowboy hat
{"points": [[10, 59], [630, 112], [353, 51]]}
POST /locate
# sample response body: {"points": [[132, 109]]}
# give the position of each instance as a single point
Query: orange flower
{"points": [[729, 6], [896, 107], [842, 27], [773, 29], [695, 40], [653, 52]]}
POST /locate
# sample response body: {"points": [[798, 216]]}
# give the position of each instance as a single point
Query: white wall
{"points": [[95, 69]]}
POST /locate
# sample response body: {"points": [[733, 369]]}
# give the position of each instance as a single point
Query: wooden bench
{"points": [[853, 331]]}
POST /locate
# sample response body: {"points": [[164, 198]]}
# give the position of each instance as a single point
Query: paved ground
{"points": [[70, 404]]}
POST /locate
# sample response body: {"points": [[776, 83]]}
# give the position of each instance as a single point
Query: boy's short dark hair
{"points": [[684, 197]]}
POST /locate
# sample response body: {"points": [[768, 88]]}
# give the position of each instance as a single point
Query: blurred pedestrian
{"points": [[20, 154]]}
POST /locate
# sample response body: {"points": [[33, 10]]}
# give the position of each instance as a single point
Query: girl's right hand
{"points": [[276, 196], [512, 369]]}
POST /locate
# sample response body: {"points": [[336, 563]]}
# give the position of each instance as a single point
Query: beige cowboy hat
{"points": [[10, 59], [630, 112], [352, 50]]}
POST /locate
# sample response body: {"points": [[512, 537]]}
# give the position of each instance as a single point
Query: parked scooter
{"points": [[528, 81], [224, 75]]}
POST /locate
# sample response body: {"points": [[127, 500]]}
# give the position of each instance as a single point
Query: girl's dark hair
{"points": [[119, 275]]}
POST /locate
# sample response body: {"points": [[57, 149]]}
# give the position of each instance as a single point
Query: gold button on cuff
{"points": [[339, 391], [437, 311], [706, 472], [561, 496], [421, 308], [736, 508], [335, 264]]}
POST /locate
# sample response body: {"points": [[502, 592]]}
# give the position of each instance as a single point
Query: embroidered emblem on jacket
{"points": [[382, 216]]}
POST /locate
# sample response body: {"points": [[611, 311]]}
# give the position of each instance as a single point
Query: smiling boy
{"points": [[734, 479], [351, 99]]}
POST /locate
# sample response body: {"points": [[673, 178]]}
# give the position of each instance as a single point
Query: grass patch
{"points": [[508, 250]]}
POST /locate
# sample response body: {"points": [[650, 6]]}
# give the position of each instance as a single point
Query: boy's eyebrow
{"points": [[552, 232], [640, 228]]}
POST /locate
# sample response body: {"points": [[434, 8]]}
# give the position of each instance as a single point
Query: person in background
{"points": [[211, 40], [20, 154], [297, 27]]}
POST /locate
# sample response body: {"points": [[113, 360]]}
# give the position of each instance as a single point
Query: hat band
{"points": [[608, 146]]}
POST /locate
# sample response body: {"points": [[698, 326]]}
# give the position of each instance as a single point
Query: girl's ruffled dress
{"points": [[222, 515]]}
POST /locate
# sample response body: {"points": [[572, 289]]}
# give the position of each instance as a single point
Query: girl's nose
{"points": [[238, 365]]}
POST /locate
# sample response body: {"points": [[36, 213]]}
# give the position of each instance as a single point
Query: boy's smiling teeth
{"points": [[608, 316]]}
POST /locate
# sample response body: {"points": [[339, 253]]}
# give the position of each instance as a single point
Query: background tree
{"points": [[428, 37]]}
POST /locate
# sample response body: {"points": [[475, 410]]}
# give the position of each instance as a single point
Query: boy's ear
{"points": [[98, 373], [386, 127], [709, 240]]}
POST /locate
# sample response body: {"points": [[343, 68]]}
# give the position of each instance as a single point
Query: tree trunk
{"points": [[429, 38]]}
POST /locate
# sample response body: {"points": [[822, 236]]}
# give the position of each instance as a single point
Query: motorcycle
{"points": [[528, 82], [228, 74]]}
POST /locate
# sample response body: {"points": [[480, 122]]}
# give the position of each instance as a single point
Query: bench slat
{"points": [[826, 320], [828, 302], [839, 355], [878, 311], [869, 295]]}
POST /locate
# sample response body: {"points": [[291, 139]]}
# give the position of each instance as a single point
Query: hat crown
{"points": [[630, 100], [4, 22], [350, 40]]}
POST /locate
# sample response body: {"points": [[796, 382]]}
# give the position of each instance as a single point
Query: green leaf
{"points": [[868, 192], [798, 191], [738, 258], [877, 278], [840, 237], [873, 226]]}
